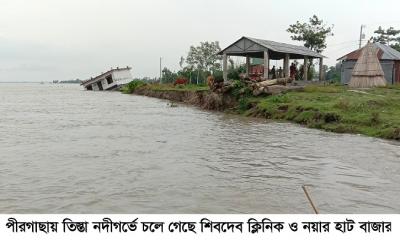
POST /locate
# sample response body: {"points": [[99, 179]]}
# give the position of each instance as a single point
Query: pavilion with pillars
{"points": [[267, 50]]}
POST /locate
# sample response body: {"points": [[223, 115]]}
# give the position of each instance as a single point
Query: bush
{"points": [[240, 89], [218, 76], [244, 104], [234, 73], [131, 86], [331, 117]]}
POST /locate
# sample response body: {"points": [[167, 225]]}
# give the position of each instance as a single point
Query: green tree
{"points": [[313, 34], [168, 76], [333, 74], [388, 36], [204, 58]]}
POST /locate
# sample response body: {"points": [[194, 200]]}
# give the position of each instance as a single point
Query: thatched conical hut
{"points": [[368, 71]]}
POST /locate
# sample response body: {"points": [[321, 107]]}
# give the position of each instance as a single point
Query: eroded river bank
{"points": [[65, 150]]}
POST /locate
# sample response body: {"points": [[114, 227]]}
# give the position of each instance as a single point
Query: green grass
{"points": [[334, 108]]}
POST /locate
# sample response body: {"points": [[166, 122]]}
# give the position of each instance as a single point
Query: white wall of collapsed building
{"points": [[104, 84], [122, 76], [119, 77]]}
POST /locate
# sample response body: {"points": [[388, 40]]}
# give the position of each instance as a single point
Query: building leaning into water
{"points": [[108, 80]]}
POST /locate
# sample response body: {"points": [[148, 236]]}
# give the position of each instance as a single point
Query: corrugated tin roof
{"points": [[388, 52], [385, 53], [280, 47], [285, 47]]}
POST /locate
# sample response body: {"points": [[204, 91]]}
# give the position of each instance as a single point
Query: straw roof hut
{"points": [[368, 70], [388, 57]]}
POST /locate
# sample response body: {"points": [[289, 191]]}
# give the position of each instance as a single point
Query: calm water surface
{"points": [[64, 150]]}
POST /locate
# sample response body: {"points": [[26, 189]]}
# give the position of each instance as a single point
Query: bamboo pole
{"points": [[309, 199]]}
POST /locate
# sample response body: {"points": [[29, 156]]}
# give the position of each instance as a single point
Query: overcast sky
{"points": [[44, 40]]}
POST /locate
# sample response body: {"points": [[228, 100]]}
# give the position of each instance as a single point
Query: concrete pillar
{"points": [[286, 65], [321, 69], [266, 64], [225, 67], [247, 66], [305, 68]]}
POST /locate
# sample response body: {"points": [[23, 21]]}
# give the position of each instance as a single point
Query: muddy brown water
{"points": [[64, 150]]}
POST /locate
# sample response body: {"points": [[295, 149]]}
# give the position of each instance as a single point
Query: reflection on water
{"points": [[64, 150]]}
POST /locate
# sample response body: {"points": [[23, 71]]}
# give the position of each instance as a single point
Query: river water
{"points": [[64, 150]]}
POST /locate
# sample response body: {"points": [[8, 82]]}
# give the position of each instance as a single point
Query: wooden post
{"points": [[305, 68], [225, 67], [247, 66], [266, 64], [321, 69], [309, 199], [286, 65]]}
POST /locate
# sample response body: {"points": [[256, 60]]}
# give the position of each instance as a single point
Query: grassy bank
{"points": [[373, 112], [130, 88], [171, 87]]}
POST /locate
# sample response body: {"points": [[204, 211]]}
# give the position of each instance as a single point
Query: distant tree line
{"points": [[68, 81]]}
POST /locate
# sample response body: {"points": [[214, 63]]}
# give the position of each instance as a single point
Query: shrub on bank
{"points": [[239, 89], [130, 87], [218, 76]]}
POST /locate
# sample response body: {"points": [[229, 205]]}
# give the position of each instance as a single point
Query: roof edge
{"points": [[255, 40], [221, 52]]}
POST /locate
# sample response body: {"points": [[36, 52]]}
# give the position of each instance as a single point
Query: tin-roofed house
{"points": [[109, 80], [388, 57]]}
